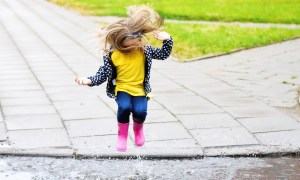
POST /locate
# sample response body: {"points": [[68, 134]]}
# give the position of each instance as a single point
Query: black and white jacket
{"points": [[108, 71]]}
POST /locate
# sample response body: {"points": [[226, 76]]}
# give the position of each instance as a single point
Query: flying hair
{"points": [[140, 21]]}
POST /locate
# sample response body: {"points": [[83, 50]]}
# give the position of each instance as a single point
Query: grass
{"points": [[196, 40], [270, 11]]}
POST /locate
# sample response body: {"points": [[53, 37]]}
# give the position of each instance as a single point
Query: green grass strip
{"points": [[196, 40], [269, 11]]}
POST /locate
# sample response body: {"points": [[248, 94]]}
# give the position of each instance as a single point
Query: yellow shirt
{"points": [[130, 72]]}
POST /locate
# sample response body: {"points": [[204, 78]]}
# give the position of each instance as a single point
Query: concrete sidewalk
{"points": [[240, 104]]}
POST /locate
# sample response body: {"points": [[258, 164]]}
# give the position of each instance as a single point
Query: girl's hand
{"points": [[162, 35], [83, 81]]}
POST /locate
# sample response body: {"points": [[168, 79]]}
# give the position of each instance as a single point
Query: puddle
{"points": [[24, 168]]}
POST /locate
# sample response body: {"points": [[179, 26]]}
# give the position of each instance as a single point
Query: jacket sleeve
{"points": [[163, 52], [99, 78], [102, 74]]}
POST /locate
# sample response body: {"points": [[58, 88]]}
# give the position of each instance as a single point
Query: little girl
{"points": [[127, 65]]}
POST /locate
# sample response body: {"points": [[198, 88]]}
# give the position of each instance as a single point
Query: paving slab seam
{"points": [[165, 140], [5, 126], [34, 129], [82, 119], [93, 136], [286, 130]]}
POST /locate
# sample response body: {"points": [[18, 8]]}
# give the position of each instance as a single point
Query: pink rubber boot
{"points": [[139, 138], [122, 137]]}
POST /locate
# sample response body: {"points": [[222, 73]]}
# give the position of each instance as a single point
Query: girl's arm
{"points": [[165, 51], [99, 78]]}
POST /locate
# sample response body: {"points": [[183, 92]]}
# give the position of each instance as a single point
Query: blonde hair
{"points": [[141, 19]]}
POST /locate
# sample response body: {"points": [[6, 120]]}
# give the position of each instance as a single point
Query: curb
{"points": [[246, 151], [105, 154]]}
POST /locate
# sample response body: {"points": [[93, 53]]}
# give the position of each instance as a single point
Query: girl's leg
{"points": [[139, 108], [122, 136], [139, 113], [124, 108]]}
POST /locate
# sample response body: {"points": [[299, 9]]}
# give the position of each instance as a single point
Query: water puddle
{"points": [[39, 168]]}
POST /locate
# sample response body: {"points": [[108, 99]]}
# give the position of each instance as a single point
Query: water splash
{"points": [[139, 168]]}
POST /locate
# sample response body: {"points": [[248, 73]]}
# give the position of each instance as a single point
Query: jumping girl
{"points": [[127, 64]]}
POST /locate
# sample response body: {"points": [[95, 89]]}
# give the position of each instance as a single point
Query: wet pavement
{"points": [[245, 103], [39, 168]]}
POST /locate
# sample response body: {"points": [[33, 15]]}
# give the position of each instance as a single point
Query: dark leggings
{"points": [[137, 105]]}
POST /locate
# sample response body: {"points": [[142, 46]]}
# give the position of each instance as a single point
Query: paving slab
{"points": [[215, 93], [85, 113], [3, 135], [235, 101], [269, 124], [154, 105], [280, 138], [31, 139], [166, 82], [40, 121], [22, 94], [216, 137], [27, 81], [15, 77], [25, 101], [91, 127], [160, 115], [70, 96], [205, 121], [27, 110], [80, 104], [188, 105], [173, 92], [94, 142], [180, 143], [248, 112], [1, 117], [20, 87], [165, 131]]}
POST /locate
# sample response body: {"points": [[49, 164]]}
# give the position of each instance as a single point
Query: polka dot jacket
{"points": [[108, 71]]}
